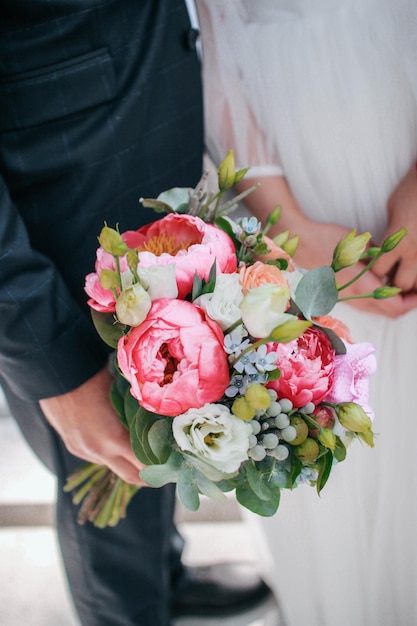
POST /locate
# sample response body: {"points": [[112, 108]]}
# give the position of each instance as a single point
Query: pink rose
{"points": [[175, 360], [351, 376], [306, 365], [186, 241]]}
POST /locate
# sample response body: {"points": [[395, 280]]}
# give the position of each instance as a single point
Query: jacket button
{"points": [[191, 38]]}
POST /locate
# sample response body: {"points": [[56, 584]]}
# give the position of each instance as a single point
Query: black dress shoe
{"points": [[219, 590]]}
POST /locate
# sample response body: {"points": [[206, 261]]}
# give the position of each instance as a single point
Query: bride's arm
{"points": [[317, 241]]}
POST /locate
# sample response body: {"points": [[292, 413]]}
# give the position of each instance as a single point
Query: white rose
{"points": [[133, 304], [222, 305], [263, 309], [213, 434], [159, 280]]}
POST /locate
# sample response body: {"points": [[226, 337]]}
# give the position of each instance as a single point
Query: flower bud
{"points": [[290, 246], [258, 397], [274, 216], [349, 250], [393, 240], [291, 329], [353, 418], [380, 293], [308, 451], [227, 172], [133, 304], [243, 410], [327, 438], [111, 241], [280, 239], [324, 417], [301, 428], [109, 279]]}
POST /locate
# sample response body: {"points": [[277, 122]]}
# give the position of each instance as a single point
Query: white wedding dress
{"points": [[333, 85]]}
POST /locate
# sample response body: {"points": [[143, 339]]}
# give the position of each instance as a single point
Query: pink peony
{"points": [[175, 360], [351, 376], [186, 241], [306, 365]]}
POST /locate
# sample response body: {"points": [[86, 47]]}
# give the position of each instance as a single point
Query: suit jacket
{"points": [[100, 104]]}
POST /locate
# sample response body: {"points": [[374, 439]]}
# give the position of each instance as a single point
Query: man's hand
{"points": [[400, 265], [90, 428]]}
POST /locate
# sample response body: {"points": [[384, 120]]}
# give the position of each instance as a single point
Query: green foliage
{"points": [[107, 327], [316, 293]]}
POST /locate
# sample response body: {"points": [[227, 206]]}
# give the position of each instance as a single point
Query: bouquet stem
{"points": [[103, 494]]}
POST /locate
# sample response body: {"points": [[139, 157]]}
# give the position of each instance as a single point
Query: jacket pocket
{"points": [[56, 91]]}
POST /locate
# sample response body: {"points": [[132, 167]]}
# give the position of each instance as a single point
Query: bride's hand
{"points": [[400, 265], [317, 242]]}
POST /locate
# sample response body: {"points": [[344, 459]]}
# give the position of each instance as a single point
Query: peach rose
{"points": [[336, 325], [276, 253], [260, 274]]}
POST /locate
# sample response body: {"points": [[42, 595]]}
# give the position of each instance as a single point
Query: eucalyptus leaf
{"points": [[161, 439], [205, 468], [247, 498], [176, 198], [108, 329], [257, 483], [139, 436], [317, 293], [187, 490], [209, 488], [131, 407], [118, 403], [160, 475]]}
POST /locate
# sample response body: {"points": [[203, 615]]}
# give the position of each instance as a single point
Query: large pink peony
{"points": [[307, 368], [186, 241], [175, 359], [352, 373]]}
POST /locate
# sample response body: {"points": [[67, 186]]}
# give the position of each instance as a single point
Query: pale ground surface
{"points": [[33, 588]]}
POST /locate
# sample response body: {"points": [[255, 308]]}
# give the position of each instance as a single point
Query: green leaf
{"points": [[176, 198], [160, 475], [224, 224], [325, 464], [205, 468], [109, 330], [274, 374], [118, 403], [131, 407], [256, 481], [338, 345], [317, 293], [139, 430], [247, 498], [161, 439], [197, 287], [187, 490], [209, 488]]}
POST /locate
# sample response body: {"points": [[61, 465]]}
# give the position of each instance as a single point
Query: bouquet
{"points": [[230, 374]]}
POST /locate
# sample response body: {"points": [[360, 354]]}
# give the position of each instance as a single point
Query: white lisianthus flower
{"points": [[133, 304], [213, 434], [222, 305], [263, 309], [293, 279], [159, 280]]}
